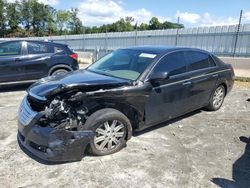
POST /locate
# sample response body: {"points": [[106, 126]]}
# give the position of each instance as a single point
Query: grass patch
{"points": [[242, 84], [242, 79]]}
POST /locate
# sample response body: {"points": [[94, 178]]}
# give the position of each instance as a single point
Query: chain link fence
{"points": [[220, 40]]}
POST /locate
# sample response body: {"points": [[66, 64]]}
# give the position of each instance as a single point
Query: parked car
{"points": [[27, 61], [127, 90]]}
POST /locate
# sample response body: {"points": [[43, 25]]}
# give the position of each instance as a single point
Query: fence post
{"points": [[65, 40], [237, 34], [177, 32], [136, 35], [106, 39], [96, 54], [83, 42], [177, 36]]}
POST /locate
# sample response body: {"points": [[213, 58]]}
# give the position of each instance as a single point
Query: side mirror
{"points": [[158, 76]]}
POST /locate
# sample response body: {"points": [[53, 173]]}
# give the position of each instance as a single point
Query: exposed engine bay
{"points": [[61, 114]]}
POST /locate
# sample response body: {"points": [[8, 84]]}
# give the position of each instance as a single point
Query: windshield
{"points": [[127, 64]]}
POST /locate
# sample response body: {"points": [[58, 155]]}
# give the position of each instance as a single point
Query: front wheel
{"points": [[110, 127], [217, 98]]}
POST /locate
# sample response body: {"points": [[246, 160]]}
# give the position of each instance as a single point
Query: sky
{"points": [[192, 13]]}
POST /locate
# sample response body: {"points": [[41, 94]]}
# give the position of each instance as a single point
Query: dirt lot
{"points": [[198, 150]]}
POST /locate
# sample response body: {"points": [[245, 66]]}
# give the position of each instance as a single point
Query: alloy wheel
{"points": [[218, 97], [108, 135]]}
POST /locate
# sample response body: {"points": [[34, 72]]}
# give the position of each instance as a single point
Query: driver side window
{"points": [[173, 63]]}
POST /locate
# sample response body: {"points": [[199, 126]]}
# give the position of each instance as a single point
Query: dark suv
{"points": [[27, 61], [127, 90]]}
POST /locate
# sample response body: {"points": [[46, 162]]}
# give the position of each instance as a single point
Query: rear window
{"points": [[10, 48], [58, 50], [217, 60], [39, 48], [198, 60]]}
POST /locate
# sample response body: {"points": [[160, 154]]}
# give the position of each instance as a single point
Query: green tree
{"points": [[62, 18], [26, 14], [170, 25], [143, 27], [51, 20], [13, 15], [94, 29], [75, 24], [32, 18], [124, 24], [2, 18], [154, 24], [39, 17]]}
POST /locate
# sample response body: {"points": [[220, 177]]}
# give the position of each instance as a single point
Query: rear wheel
{"points": [[217, 98], [110, 127], [59, 72]]}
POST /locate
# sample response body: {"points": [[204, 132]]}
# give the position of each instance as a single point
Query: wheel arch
{"points": [[130, 112], [224, 84], [59, 66]]}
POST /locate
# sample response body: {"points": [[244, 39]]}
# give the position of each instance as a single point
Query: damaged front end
{"points": [[51, 131], [52, 116]]}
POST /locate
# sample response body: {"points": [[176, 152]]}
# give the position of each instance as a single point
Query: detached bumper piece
{"points": [[54, 144]]}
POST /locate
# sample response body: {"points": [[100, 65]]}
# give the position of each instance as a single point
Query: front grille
{"points": [[36, 105], [26, 114]]}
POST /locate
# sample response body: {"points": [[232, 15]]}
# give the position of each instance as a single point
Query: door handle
{"points": [[186, 83], [215, 75]]}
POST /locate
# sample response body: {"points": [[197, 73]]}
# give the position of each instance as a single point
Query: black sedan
{"points": [[128, 90], [27, 61]]}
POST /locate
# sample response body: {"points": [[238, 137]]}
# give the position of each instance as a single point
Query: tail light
{"points": [[73, 56]]}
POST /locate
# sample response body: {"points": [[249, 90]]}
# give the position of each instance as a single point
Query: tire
{"points": [[217, 98], [111, 128], [59, 72]]}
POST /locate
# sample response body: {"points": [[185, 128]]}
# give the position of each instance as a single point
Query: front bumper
{"points": [[51, 144]]}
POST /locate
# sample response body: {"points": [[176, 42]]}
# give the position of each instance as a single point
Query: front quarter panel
{"points": [[131, 96]]}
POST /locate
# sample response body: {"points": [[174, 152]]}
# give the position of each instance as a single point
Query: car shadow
{"points": [[241, 170], [248, 100], [14, 87], [166, 123]]}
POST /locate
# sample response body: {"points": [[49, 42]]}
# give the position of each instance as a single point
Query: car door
{"points": [[11, 69], [203, 75], [37, 59], [169, 98]]}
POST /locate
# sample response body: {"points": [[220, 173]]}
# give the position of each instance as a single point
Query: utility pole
{"points": [[106, 39], [237, 33], [136, 34], [177, 32], [83, 41]]}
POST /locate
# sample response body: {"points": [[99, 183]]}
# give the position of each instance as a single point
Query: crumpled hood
{"points": [[81, 79]]}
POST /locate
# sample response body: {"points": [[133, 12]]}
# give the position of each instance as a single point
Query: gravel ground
{"points": [[197, 150]]}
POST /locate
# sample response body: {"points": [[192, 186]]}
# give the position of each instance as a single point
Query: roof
{"points": [[28, 40], [160, 49]]}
